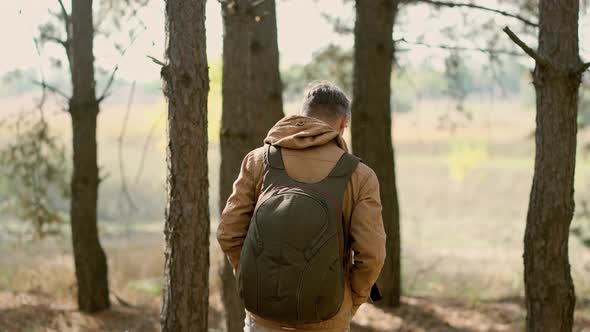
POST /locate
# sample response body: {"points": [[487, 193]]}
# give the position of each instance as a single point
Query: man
{"points": [[304, 156]]}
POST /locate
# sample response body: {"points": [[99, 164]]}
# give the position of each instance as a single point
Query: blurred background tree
{"points": [[252, 102], [78, 30], [34, 177]]}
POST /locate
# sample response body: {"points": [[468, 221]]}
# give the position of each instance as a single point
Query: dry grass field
{"points": [[463, 187]]}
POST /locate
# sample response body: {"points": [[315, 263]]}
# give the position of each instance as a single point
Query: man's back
{"points": [[310, 147]]}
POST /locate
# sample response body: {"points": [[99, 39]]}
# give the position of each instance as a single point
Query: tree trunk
{"points": [[550, 296], [252, 103], [89, 257], [186, 284], [371, 124]]}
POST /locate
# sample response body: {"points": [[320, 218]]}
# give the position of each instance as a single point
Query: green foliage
{"points": [[465, 156], [109, 16], [35, 174], [16, 81], [410, 84], [422, 81], [332, 63], [335, 64], [117, 13], [458, 79], [148, 286]]}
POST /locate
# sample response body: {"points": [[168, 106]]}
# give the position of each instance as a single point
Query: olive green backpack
{"points": [[291, 265]]}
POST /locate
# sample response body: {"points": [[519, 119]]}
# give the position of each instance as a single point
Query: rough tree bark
{"points": [[186, 292], [89, 257], [550, 296], [371, 124], [252, 103]]}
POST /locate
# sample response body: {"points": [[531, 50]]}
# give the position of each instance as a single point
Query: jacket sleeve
{"points": [[367, 240], [235, 218]]}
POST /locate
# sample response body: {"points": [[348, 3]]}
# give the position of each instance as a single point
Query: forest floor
{"points": [[37, 293], [40, 312]]}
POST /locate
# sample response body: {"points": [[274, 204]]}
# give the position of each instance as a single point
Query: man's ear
{"points": [[342, 124]]}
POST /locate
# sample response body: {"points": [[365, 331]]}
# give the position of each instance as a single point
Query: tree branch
{"points": [[135, 11], [51, 88], [146, 145], [43, 98], [156, 61], [66, 18], [460, 48], [256, 3], [56, 40], [65, 15], [474, 6], [124, 187], [106, 92], [66, 44], [59, 15], [583, 68], [532, 53]]}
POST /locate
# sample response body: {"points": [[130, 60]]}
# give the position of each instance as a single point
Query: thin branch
{"points": [[146, 145], [124, 187], [121, 300], [338, 25], [51, 88], [41, 103], [107, 89], [583, 68], [66, 18], [59, 15], [67, 42], [256, 3], [460, 48], [474, 6], [43, 83], [156, 61], [56, 40], [65, 15], [532, 53], [101, 16], [135, 11]]}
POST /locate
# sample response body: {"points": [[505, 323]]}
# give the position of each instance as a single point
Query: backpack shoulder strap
{"points": [[345, 166], [273, 158]]}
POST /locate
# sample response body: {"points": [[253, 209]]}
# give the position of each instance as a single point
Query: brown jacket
{"points": [[310, 149]]}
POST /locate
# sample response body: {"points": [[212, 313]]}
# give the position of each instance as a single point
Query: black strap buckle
{"points": [[375, 294]]}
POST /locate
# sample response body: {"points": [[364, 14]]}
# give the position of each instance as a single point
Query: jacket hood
{"points": [[300, 132]]}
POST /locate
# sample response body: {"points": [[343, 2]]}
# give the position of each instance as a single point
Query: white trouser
{"points": [[251, 326]]}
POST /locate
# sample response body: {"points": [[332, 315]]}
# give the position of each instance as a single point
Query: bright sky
{"points": [[302, 30]]}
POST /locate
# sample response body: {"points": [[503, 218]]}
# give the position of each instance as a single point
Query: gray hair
{"points": [[327, 98]]}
